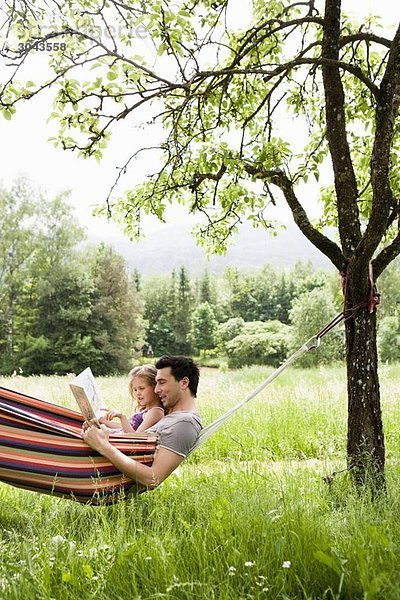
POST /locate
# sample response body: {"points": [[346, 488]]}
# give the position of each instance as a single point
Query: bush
{"points": [[309, 313], [228, 330], [389, 339], [260, 343]]}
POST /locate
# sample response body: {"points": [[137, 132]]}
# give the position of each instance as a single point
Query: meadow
{"points": [[249, 515]]}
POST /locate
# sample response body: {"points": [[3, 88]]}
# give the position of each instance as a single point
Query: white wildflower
{"points": [[57, 540], [286, 564], [249, 563]]}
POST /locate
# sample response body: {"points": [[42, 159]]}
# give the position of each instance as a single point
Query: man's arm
{"points": [[165, 461]]}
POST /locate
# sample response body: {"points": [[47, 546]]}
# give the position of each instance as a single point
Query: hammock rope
{"points": [[208, 431], [42, 450]]}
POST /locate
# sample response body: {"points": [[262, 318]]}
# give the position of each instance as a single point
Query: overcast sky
{"points": [[25, 149]]}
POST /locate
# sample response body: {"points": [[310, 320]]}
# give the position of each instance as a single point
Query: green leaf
{"points": [[161, 48], [140, 20], [87, 569], [329, 561]]}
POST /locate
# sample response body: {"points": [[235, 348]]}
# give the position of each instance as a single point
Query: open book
{"points": [[87, 395]]}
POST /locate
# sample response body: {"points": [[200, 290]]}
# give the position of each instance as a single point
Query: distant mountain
{"points": [[172, 246]]}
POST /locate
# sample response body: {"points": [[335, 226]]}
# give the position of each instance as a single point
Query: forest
{"points": [[67, 303]]}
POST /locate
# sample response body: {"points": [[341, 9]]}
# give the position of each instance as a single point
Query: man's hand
{"points": [[96, 437], [165, 460]]}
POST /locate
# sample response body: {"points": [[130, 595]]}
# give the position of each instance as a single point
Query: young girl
{"points": [[142, 381]]}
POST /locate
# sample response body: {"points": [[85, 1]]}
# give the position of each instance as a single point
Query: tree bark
{"points": [[365, 439]]}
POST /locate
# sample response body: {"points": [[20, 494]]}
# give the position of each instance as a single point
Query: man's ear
{"points": [[185, 382]]}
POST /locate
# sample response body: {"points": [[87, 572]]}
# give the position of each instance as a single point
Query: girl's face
{"points": [[143, 392]]}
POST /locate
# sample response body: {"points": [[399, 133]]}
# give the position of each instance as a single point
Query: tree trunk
{"points": [[365, 440]]}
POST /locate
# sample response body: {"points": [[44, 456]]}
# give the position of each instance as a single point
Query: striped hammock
{"points": [[41, 449]]}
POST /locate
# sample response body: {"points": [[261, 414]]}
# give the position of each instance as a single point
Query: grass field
{"points": [[247, 516]]}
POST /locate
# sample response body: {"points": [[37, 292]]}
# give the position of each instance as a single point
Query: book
{"points": [[87, 395]]}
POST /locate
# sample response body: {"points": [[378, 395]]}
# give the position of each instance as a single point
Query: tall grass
{"points": [[247, 516]]}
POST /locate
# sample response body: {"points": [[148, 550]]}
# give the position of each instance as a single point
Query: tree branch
{"points": [[386, 113], [386, 256], [320, 241], [345, 180]]}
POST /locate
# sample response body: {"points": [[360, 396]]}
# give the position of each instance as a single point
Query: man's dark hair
{"points": [[181, 366]]}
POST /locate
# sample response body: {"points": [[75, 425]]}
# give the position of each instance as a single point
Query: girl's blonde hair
{"points": [[146, 372]]}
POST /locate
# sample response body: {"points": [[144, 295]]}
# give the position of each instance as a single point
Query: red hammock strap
{"points": [[374, 297], [371, 302], [335, 321]]}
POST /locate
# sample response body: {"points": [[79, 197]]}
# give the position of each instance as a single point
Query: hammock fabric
{"points": [[42, 450]]}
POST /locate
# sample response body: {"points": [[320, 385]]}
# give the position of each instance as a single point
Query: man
{"points": [[176, 383]]}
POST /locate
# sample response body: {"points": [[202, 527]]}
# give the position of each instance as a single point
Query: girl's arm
{"points": [[117, 414], [106, 419], [126, 426], [152, 416], [109, 424]]}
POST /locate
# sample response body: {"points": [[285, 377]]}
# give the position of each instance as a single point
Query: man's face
{"points": [[168, 388]]}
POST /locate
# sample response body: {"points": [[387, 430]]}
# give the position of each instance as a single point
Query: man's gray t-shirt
{"points": [[178, 431]]}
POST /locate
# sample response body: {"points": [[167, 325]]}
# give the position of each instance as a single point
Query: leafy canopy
{"points": [[243, 109]]}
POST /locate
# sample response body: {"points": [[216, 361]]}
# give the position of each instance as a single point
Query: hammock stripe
{"points": [[42, 450]]}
